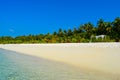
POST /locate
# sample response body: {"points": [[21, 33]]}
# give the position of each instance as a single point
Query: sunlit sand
{"points": [[104, 57]]}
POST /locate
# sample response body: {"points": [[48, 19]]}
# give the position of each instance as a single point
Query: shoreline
{"points": [[97, 56]]}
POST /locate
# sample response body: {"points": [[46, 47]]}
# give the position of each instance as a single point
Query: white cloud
{"points": [[11, 30]]}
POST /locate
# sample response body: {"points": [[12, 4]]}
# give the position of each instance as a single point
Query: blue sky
{"points": [[23, 17]]}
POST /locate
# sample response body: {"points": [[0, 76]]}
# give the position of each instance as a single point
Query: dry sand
{"points": [[97, 56]]}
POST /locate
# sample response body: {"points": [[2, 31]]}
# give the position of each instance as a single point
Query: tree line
{"points": [[84, 33]]}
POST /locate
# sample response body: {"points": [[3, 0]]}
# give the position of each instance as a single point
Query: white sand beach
{"points": [[96, 56]]}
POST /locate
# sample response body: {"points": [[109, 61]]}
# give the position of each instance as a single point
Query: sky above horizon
{"points": [[23, 17]]}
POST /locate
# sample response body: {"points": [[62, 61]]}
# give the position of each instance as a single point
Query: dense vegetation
{"points": [[84, 33]]}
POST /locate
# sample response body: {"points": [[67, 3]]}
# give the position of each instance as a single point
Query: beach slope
{"points": [[96, 56]]}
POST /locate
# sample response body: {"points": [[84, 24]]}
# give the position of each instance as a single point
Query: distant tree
{"points": [[108, 28], [88, 29], [101, 27], [75, 31], [55, 33], [69, 32], [60, 32], [21, 38], [48, 38], [116, 28]]}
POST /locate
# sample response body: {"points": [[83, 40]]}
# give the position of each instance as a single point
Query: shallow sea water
{"points": [[15, 66]]}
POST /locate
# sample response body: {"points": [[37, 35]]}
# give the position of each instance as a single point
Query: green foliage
{"points": [[85, 33]]}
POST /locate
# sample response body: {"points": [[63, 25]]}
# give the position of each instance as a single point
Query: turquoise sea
{"points": [[15, 66]]}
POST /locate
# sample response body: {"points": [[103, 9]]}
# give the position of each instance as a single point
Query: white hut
{"points": [[100, 36]]}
